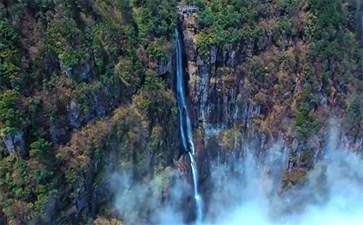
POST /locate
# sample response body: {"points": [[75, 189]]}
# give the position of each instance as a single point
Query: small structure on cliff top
{"points": [[187, 10]]}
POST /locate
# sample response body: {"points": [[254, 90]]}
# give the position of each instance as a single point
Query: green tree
{"points": [[40, 150], [11, 113]]}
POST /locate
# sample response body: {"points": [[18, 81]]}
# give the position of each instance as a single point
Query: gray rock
{"points": [[82, 202], [200, 62], [231, 58], [213, 54], [82, 71], [14, 142], [98, 105], [73, 114], [165, 67], [8, 140], [58, 135]]}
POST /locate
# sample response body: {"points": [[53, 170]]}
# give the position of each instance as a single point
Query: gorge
{"points": [[181, 112]]}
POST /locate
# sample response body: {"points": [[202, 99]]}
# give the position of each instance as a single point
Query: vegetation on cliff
{"points": [[309, 51], [272, 69], [86, 88], [82, 92]]}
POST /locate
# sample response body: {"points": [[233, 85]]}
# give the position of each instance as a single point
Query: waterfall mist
{"points": [[247, 191], [331, 195]]}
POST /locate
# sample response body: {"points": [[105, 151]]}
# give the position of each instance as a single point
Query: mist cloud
{"points": [[248, 191]]}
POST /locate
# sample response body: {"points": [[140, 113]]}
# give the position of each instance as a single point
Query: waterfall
{"points": [[185, 125]]}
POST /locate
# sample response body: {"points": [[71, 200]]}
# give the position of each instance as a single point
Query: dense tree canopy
{"points": [[81, 90]]}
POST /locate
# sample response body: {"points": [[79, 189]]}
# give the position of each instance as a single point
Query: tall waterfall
{"points": [[185, 125]]}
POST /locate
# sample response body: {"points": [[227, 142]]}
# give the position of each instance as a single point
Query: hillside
{"points": [[87, 89]]}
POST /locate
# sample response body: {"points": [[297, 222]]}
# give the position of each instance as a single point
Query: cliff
{"points": [[87, 91], [281, 78]]}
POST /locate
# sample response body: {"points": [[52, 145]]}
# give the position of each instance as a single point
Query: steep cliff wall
{"points": [[280, 75], [86, 89]]}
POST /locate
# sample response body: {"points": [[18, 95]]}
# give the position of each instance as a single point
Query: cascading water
{"points": [[185, 126]]}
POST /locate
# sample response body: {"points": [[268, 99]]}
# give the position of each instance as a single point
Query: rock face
{"points": [[237, 96], [82, 71], [217, 94], [165, 66], [73, 114], [15, 143], [237, 111]]}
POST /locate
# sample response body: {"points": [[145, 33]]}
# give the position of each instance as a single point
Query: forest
{"points": [[87, 88]]}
